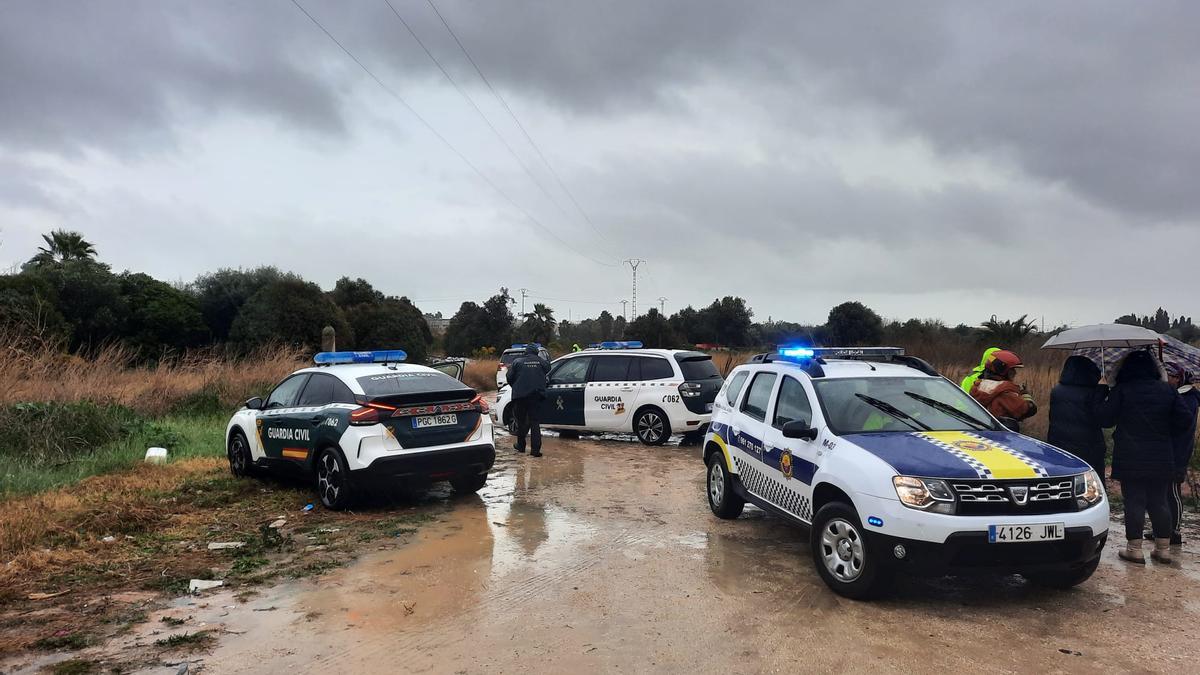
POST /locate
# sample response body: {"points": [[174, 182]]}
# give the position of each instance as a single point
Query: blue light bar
{"points": [[523, 346], [381, 356], [796, 353], [622, 344]]}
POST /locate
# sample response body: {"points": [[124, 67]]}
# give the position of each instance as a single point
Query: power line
{"points": [[520, 126], [444, 140], [462, 92]]}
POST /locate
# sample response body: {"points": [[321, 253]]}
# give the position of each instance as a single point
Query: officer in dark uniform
{"points": [[527, 377]]}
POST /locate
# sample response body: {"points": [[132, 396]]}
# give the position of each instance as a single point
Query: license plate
{"points": [[426, 421], [1015, 534]]}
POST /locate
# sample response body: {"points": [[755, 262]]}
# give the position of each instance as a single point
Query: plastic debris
{"points": [[278, 524], [198, 585], [222, 545], [307, 508], [109, 539], [156, 455]]}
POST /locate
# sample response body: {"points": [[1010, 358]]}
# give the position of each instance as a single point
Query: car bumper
{"points": [[691, 423], [420, 467], [943, 544]]}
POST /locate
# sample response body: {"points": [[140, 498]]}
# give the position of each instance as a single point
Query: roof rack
{"points": [[812, 358]]}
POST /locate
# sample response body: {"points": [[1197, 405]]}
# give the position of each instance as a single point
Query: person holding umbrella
{"points": [[1147, 413], [1074, 426], [1184, 443]]}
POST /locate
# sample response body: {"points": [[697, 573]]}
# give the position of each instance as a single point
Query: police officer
{"points": [[527, 377]]}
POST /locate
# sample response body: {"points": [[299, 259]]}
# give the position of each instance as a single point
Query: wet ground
{"points": [[603, 556]]}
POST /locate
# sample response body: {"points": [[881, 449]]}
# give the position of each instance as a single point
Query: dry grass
{"points": [[32, 369], [481, 374]]}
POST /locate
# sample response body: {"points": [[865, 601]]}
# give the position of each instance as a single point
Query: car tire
{"points": [[467, 485], [333, 480], [240, 462], [652, 426], [1063, 579], [692, 438], [724, 502], [843, 556]]}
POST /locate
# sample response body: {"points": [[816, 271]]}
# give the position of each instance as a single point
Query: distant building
{"points": [[437, 325]]}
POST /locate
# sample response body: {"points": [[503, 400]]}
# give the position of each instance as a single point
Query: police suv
{"points": [[360, 419], [508, 356], [895, 468], [620, 387]]}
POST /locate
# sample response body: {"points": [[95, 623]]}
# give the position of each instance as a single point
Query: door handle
{"points": [[626, 388]]}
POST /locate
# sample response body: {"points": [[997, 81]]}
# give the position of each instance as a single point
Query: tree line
{"points": [[66, 292]]}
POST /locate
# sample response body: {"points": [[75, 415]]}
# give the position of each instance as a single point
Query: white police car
{"points": [[508, 356], [362, 419], [895, 468], [620, 387]]}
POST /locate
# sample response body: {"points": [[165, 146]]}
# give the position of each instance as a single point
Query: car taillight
{"points": [[499, 367], [481, 402], [370, 413], [690, 389]]}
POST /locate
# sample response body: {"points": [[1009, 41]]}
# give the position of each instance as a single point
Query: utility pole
{"points": [[623, 314], [633, 264], [662, 304], [524, 292]]}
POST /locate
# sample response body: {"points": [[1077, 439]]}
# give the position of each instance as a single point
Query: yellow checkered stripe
{"points": [[988, 458]]}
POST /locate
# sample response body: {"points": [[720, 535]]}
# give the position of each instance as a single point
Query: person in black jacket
{"points": [[527, 377], [1147, 413], [1074, 426], [1185, 444]]}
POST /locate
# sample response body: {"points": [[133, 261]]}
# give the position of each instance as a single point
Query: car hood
{"points": [[968, 454]]}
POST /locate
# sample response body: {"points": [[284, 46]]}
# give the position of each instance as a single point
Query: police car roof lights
{"points": [[522, 345], [812, 358], [378, 356], [621, 344]]}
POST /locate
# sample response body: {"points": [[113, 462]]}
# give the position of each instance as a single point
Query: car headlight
{"points": [[924, 494], [1089, 489]]}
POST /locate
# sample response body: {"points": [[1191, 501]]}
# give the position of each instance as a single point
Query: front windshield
{"points": [[866, 404]]}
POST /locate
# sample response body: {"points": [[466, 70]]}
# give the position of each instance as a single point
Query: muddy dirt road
{"points": [[603, 556]]}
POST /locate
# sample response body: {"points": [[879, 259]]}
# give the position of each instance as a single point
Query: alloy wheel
{"points": [[842, 550], [716, 483], [650, 426], [329, 478]]}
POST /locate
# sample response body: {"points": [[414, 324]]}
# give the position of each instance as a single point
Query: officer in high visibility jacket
{"points": [[969, 380]]}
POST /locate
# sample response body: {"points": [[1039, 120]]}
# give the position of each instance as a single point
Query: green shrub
{"points": [[56, 433]]}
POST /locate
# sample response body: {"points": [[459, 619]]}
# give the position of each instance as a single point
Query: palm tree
{"points": [[61, 246], [1008, 331]]}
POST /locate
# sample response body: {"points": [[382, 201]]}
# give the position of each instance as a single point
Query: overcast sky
{"points": [[948, 160]]}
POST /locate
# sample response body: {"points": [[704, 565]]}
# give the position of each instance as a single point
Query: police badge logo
{"points": [[785, 464]]}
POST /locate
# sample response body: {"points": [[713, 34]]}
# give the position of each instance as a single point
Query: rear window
{"points": [[699, 368], [390, 384], [508, 357]]}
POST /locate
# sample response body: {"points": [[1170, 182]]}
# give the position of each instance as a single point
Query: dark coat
{"points": [[527, 375], [1074, 426], [1185, 439], [1147, 413]]}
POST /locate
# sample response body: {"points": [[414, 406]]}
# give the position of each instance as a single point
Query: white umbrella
{"points": [[1103, 335]]}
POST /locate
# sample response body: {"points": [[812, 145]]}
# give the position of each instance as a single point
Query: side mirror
{"points": [[799, 429], [1011, 424], [255, 403]]}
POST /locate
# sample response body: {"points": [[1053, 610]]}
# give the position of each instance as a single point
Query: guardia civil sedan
{"points": [[363, 419]]}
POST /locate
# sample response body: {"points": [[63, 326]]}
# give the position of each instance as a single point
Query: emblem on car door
{"points": [[785, 464]]}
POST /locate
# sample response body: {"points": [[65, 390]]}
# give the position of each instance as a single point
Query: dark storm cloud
{"points": [[121, 75], [1099, 98]]}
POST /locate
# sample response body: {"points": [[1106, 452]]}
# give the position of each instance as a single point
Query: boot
{"points": [[1132, 552], [1162, 550], [535, 453], [1177, 539]]}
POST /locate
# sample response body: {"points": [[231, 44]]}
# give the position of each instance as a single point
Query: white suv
{"points": [[895, 468], [618, 386]]}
